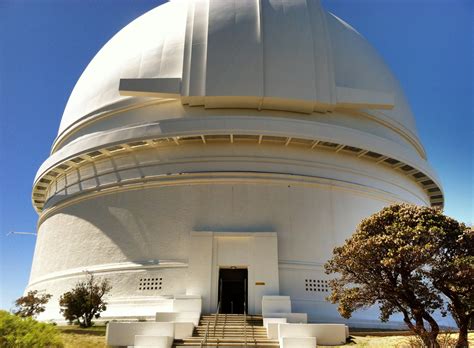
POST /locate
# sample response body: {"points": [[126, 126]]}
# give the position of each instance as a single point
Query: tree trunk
{"points": [[429, 339], [462, 339]]}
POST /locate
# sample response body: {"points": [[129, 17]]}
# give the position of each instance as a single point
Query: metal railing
{"points": [[217, 315], [245, 325], [204, 340], [206, 334]]}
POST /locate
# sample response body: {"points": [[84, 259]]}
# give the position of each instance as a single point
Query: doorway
{"points": [[233, 290]]}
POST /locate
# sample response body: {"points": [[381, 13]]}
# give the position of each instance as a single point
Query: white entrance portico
{"points": [[211, 251]]}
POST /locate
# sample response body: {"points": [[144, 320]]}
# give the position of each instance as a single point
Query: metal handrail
{"points": [[204, 340], [217, 315], [245, 324]]}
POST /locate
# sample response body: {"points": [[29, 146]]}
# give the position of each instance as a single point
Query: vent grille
{"points": [[147, 284], [317, 285]]}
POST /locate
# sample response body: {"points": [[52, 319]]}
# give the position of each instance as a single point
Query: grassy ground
{"points": [[75, 337]]}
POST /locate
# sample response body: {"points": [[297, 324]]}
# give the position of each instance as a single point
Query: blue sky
{"points": [[46, 44]]}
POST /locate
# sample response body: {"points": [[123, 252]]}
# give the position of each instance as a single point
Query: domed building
{"points": [[223, 149]]}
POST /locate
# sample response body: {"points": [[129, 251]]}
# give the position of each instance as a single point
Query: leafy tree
{"points": [[16, 332], [452, 271], [32, 304], [85, 301], [398, 258]]}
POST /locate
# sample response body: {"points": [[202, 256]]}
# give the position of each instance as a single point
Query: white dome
{"points": [[214, 133], [290, 56]]}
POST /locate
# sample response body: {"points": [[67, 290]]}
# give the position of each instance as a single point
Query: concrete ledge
{"points": [[183, 330], [187, 303], [297, 342], [153, 341], [275, 304], [271, 324], [123, 334], [327, 334], [290, 317], [178, 317]]}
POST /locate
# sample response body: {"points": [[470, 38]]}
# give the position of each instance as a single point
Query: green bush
{"points": [[16, 332]]}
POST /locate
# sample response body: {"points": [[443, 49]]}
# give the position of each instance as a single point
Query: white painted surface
{"points": [[275, 304], [271, 324], [255, 251], [181, 317], [153, 341], [178, 211], [326, 334], [183, 303], [291, 317], [127, 228], [123, 334], [298, 342], [226, 59], [183, 330], [267, 321]]}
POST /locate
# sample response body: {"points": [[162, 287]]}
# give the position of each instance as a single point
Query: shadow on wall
{"points": [[150, 224], [236, 228]]}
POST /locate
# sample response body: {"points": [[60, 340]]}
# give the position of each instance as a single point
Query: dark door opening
{"points": [[233, 290]]}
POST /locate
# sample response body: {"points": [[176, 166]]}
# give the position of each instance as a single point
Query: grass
{"points": [[76, 337]]}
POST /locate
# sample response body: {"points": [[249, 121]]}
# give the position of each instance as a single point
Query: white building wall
{"points": [[140, 233]]}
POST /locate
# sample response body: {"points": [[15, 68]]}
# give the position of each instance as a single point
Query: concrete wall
{"points": [[148, 234]]}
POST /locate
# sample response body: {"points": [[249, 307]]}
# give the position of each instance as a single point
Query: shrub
{"points": [[85, 302], [408, 259], [32, 304], [27, 333]]}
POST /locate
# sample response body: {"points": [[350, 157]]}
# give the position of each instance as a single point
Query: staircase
{"points": [[228, 330]]}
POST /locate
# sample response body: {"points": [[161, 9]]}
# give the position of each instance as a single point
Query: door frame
{"points": [[246, 286]]}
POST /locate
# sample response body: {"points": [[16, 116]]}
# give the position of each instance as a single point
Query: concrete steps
{"points": [[229, 330]]}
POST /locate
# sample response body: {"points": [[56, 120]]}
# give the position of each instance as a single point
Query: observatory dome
{"points": [[279, 55], [209, 135]]}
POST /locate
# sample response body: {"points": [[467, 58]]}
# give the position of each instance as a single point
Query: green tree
{"points": [[32, 304], [85, 301], [16, 332], [395, 259], [452, 271]]}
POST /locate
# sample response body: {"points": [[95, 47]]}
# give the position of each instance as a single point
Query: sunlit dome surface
{"points": [[304, 61], [213, 134]]}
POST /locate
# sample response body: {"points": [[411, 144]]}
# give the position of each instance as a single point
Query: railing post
{"points": [[217, 315], [204, 341], [245, 324]]}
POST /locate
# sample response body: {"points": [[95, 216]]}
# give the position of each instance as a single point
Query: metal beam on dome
{"points": [[151, 87]]}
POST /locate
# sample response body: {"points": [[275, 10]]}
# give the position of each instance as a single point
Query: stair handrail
{"points": [[204, 340], [245, 324], [216, 316]]}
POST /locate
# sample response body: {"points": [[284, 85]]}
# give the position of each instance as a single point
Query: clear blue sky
{"points": [[46, 44]]}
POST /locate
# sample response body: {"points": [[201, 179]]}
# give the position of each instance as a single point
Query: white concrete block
{"points": [[183, 330], [276, 304], [271, 324], [272, 330], [187, 303], [347, 331], [266, 321], [123, 334], [153, 341], [297, 342], [327, 334], [290, 317], [179, 317]]}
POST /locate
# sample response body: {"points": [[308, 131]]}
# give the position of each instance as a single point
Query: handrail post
{"points": [[217, 315], [245, 324], [204, 341]]}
